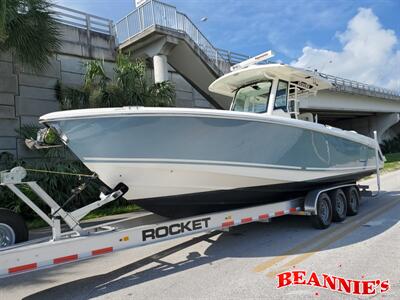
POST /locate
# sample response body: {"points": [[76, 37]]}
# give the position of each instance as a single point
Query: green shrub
{"points": [[391, 146], [58, 186]]}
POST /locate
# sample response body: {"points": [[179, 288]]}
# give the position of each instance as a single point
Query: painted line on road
{"points": [[337, 235], [324, 234]]}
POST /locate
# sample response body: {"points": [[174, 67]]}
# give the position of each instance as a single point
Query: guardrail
{"points": [[82, 20], [232, 57], [351, 85], [157, 13]]}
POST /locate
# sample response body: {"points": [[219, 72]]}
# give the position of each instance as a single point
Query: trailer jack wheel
{"points": [[323, 218], [12, 228]]}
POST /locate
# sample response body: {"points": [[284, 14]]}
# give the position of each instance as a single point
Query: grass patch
{"points": [[100, 212], [392, 157], [392, 162], [36, 223], [109, 211]]}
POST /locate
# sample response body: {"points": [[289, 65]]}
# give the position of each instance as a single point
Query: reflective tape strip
{"points": [[228, 224], [63, 259], [279, 213], [246, 220], [293, 209], [102, 251], [263, 217], [22, 268]]}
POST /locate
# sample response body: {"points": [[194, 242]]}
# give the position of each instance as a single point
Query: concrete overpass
{"points": [[159, 32]]}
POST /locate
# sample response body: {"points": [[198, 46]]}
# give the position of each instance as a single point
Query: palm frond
{"points": [[128, 87], [32, 33]]}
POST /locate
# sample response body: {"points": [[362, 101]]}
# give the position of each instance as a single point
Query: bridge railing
{"points": [[352, 85], [82, 20], [232, 57], [158, 13]]}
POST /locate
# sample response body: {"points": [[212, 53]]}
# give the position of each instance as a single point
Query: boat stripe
{"points": [[63, 259], [186, 161], [22, 268], [212, 162], [102, 251]]}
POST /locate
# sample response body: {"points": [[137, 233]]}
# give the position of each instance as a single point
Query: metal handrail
{"points": [[156, 13], [81, 19], [233, 57]]}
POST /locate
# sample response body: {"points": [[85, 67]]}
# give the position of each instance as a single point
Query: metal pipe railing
{"points": [[346, 84], [82, 20], [156, 13]]}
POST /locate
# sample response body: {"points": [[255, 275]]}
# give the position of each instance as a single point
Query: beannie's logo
{"points": [[334, 283]]}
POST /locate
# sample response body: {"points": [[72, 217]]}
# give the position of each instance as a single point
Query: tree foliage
{"points": [[29, 30], [391, 146], [129, 86]]}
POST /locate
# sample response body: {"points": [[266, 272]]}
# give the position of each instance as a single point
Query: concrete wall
{"points": [[25, 95], [186, 95]]}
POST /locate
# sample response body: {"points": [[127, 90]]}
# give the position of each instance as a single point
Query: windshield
{"points": [[253, 98]]}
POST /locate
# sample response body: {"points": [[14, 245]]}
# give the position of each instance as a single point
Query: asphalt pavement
{"points": [[241, 263]]}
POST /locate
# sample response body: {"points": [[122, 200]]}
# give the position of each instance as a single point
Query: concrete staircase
{"points": [[156, 30]]}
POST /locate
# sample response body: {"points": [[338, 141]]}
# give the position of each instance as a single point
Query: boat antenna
{"points": [[253, 60]]}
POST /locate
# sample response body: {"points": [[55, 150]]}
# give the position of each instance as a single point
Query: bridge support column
{"points": [[382, 124], [160, 68]]}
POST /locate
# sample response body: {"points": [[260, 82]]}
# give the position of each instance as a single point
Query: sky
{"points": [[355, 39]]}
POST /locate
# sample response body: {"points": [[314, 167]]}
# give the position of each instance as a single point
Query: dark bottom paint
{"points": [[186, 205]]}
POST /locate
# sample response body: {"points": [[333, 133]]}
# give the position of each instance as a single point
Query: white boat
{"points": [[180, 161]]}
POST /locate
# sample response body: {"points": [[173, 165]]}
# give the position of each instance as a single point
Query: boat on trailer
{"points": [[180, 162]]}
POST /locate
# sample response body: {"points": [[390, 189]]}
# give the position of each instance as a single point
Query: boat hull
{"points": [[183, 189], [185, 205], [178, 163]]}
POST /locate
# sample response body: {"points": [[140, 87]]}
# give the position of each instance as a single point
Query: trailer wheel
{"points": [[339, 205], [353, 200], [323, 218], [13, 228]]}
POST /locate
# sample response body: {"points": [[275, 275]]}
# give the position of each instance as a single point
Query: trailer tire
{"points": [[353, 200], [13, 228], [323, 218], [339, 205]]}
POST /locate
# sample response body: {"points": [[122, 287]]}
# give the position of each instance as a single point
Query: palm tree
{"points": [[29, 31], [129, 86]]}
